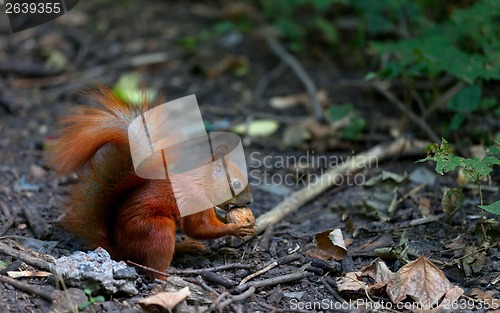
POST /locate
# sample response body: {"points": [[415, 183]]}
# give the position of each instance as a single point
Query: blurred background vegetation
{"points": [[444, 56]]}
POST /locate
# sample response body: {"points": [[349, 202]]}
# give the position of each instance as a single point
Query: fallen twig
{"points": [[147, 269], [289, 59], [10, 219], [333, 292], [26, 257], [27, 288], [415, 222], [267, 78], [218, 279], [274, 281], [333, 176], [209, 269], [259, 272]]}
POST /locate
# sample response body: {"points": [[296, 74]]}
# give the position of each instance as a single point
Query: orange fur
{"points": [[131, 217]]}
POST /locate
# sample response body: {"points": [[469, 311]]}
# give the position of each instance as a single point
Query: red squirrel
{"points": [[131, 217]]}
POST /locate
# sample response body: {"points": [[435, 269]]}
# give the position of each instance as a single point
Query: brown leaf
{"points": [[384, 240], [164, 300], [424, 205], [351, 282], [485, 297], [424, 282], [379, 271], [330, 245]]}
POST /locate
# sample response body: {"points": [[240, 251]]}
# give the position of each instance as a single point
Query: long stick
{"points": [[334, 176]]}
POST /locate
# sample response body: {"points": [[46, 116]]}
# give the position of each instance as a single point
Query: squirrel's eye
{"points": [[236, 184]]}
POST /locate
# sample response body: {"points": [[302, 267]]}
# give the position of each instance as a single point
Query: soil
{"points": [[96, 42]]}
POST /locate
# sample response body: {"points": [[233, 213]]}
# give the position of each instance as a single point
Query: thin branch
{"points": [[334, 176], [27, 288], [444, 98], [274, 281], [210, 269], [415, 118], [26, 257], [147, 269], [289, 59]]}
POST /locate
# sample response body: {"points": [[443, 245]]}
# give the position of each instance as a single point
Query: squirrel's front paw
{"points": [[242, 230]]}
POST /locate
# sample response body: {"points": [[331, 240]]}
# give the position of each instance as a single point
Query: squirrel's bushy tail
{"points": [[86, 131], [94, 143]]}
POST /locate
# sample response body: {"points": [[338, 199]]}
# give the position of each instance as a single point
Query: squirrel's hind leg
{"points": [[149, 242]]}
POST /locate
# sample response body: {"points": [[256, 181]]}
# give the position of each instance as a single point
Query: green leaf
{"points": [[466, 100], [370, 76], [492, 208], [4, 264], [339, 111], [493, 151], [354, 129], [497, 111], [488, 103], [491, 160], [455, 123], [99, 299], [84, 305], [127, 88], [322, 5], [223, 27], [190, 43], [478, 166], [327, 28], [443, 156]]}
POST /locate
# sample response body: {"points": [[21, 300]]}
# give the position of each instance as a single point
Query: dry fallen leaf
{"points": [[424, 282], [424, 205], [330, 245], [379, 271], [473, 261], [351, 282], [486, 297], [164, 300], [452, 202]]}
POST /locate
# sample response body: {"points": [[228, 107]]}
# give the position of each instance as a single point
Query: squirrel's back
{"points": [[94, 143]]}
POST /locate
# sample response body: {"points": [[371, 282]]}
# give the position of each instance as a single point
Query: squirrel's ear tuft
{"points": [[221, 151]]}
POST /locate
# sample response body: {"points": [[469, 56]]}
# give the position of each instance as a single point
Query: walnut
{"points": [[240, 215]]}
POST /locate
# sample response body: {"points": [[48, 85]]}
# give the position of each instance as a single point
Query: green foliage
{"points": [[128, 89], [466, 46], [475, 169], [464, 102], [91, 300], [357, 124], [301, 20], [493, 208]]}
